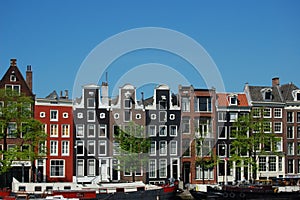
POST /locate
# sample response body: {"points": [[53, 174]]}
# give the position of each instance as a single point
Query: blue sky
{"points": [[249, 41]]}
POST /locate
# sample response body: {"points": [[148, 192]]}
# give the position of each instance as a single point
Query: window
{"points": [[185, 125], [277, 112], [290, 117], [152, 130], [232, 131], [116, 115], [138, 116], [267, 127], [57, 168], [127, 103], [280, 164], [267, 113], [298, 148], [65, 146], [65, 130], [268, 94], [41, 148], [279, 145], [272, 164], [91, 130], [298, 117], [153, 148], [79, 130], [163, 130], [53, 130], [163, 168], [153, 116], [53, 115], [233, 100], [262, 164], [91, 167], [91, 148], [233, 117], [290, 132], [222, 149], [65, 115], [208, 173], [277, 127], [80, 148], [91, 103], [53, 148], [172, 116], [79, 115], [162, 116], [42, 114], [173, 130], [256, 112], [152, 168], [15, 88], [13, 78], [203, 104], [186, 148], [163, 147], [11, 130], [91, 116], [290, 166], [222, 116], [102, 115], [80, 167], [102, 147], [222, 131], [102, 130], [116, 148], [185, 104], [162, 105], [127, 115], [298, 132], [173, 147], [290, 148]]}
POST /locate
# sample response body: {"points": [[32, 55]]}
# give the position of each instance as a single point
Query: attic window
{"points": [[267, 93], [233, 100], [13, 78], [296, 95]]}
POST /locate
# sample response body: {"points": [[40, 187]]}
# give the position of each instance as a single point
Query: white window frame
{"points": [[80, 173], [54, 115], [53, 130], [220, 128], [152, 148], [42, 114], [81, 126], [65, 130], [276, 126], [91, 167], [171, 130], [173, 151], [163, 150], [102, 127], [163, 163], [92, 114], [185, 104], [53, 147], [91, 143], [81, 144], [89, 103], [103, 143], [152, 168], [90, 129], [165, 132], [65, 148], [269, 111], [63, 166], [152, 133], [277, 112]]}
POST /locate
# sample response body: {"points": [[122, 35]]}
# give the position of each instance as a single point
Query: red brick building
{"points": [[55, 112]]}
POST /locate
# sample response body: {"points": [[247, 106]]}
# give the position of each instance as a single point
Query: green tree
{"points": [[133, 148], [206, 157], [17, 124], [253, 137]]}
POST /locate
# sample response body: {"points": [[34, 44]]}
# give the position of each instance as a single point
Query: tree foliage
{"points": [[133, 148], [17, 126], [253, 137]]}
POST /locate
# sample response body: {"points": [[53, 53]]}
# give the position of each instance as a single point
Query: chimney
{"points": [[275, 81], [13, 62], [67, 94], [104, 93], [29, 77]]}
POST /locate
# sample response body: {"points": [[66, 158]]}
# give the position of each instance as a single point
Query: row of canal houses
{"points": [[81, 146]]}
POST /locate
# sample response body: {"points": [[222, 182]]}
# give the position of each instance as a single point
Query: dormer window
{"points": [[233, 100], [296, 95], [267, 94]]}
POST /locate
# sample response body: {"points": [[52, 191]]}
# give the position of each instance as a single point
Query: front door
{"points": [[104, 170]]}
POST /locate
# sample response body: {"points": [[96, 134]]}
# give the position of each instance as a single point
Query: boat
{"points": [[247, 191], [128, 190]]}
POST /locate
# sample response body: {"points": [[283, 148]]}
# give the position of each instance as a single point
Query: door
{"points": [[103, 170]]}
